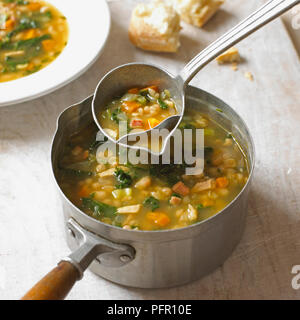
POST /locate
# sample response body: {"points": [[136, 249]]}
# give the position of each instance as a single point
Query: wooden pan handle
{"points": [[56, 284]]}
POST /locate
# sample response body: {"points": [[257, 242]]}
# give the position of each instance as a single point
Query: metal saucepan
{"points": [[146, 259]]}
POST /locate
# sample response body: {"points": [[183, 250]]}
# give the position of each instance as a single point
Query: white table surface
{"points": [[31, 224]]}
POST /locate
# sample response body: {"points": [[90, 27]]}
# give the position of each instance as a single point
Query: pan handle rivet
{"points": [[125, 258]]}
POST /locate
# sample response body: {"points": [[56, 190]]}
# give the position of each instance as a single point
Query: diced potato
{"points": [[130, 209], [175, 201], [107, 173], [143, 183]]}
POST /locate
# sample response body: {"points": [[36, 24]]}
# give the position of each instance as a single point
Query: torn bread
{"points": [[155, 27], [229, 56], [196, 12]]}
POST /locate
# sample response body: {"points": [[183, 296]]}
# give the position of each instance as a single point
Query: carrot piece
{"points": [[155, 88], [33, 6], [48, 44], [130, 106], [137, 123], [9, 24], [181, 188], [153, 122], [159, 218], [222, 182], [30, 66], [133, 90], [84, 192], [29, 34]]}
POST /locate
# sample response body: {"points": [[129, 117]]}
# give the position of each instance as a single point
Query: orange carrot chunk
{"points": [[129, 106], [33, 6], [222, 182], [9, 24], [48, 45], [159, 218], [181, 188], [84, 192], [152, 122]]}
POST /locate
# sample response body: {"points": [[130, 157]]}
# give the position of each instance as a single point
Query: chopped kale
{"points": [[151, 203], [162, 104], [124, 180], [99, 209]]}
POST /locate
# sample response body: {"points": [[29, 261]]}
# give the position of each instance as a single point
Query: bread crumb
{"points": [[234, 66], [249, 76], [229, 56]]}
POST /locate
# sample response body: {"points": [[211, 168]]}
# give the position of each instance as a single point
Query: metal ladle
{"points": [[131, 75]]}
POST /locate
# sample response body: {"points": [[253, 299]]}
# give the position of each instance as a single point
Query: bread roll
{"points": [[155, 27], [196, 12]]}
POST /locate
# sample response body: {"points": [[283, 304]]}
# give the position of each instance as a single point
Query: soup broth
{"points": [[140, 108], [154, 197]]}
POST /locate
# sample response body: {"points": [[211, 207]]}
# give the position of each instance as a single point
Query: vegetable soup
{"points": [[32, 34], [153, 197], [142, 109]]}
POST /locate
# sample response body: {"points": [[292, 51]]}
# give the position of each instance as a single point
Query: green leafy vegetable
{"points": [[99, 209], [171, 173], [151, 203], [176, 195], [23, 44], [162, 104], [124, 180], [24, 24], [12, 63], [114, 115]]}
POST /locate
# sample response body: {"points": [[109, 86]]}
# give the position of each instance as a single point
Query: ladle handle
{"points": [[56, 284], [269, 11]]}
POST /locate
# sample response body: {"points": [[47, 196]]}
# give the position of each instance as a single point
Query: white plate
{"points": [[89, 25]]}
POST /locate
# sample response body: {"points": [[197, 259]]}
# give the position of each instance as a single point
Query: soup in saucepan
{"points": [[32, 34], [153, 197]]}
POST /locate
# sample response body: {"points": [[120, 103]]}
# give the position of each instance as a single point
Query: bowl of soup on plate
{"points": [[33, 33]]}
